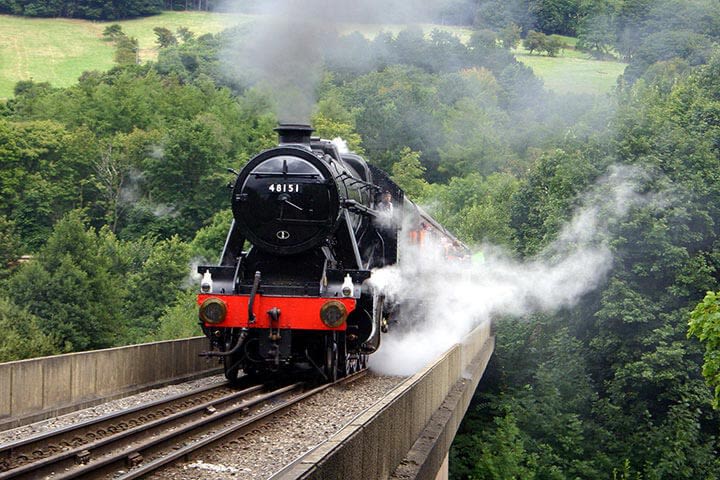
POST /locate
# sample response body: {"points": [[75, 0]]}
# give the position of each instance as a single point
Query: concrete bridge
{"points": [[405, 435]]}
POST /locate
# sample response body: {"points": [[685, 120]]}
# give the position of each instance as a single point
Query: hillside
{"points": [[59, 50]]}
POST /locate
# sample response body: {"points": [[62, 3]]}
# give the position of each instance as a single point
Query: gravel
{"points": [[263, 452], [256, 455], [105, 408]]}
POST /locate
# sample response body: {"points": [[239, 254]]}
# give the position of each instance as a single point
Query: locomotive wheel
{"points": [[331, 359], [336, 359]]}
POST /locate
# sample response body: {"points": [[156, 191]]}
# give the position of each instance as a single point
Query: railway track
{"points": [[136, 442]]}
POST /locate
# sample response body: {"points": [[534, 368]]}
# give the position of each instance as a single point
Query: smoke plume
{"points": [[442, 301], [283, 49]]}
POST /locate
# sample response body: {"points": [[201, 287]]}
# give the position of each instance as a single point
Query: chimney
{"points": [[294, 133]]}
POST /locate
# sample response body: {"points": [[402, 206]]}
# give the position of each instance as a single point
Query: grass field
{"points": [[59, 50], [573, 73]]}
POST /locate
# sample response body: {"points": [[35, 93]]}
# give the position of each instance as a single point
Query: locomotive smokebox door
{"points": [[286, 200]]}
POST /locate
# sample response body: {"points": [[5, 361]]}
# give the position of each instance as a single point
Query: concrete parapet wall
{"points": [[39, 388], [376, 442]]}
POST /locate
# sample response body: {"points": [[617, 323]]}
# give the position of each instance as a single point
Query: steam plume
{"points": [[443, 301]]}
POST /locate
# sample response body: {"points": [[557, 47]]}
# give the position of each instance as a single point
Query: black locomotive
{"points": [[315, 223]]}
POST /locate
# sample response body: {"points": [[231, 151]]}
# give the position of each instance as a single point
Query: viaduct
{"points": [[405, 435]]}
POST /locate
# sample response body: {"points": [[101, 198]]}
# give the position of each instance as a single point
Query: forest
{"points": [[114, 187]]}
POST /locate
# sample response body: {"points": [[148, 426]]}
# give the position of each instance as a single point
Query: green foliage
{"points": [[596, 32], [165, 38], [112, 32], [546, 197], [180, 319], [408, 173], [477, 209], [472, 143], [10, 246], [535, 41], [90, 9], [210, 239], [538, 41], [510, 36], [22, 336], [162, 275], [705, 325], [553, 45], [502, 454], [46, 171], [185, 34], [127, 51], [70, 287], [326, 127], [626, 395]]}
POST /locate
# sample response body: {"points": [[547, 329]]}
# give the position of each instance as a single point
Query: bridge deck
{"points": [[408, 433]]}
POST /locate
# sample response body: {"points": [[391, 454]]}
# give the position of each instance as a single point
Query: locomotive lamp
{"points": [[206, 283], [213, 310], [347, 286], [333, 313]]}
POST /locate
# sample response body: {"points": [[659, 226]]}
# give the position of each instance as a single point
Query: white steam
{"points": [[341, 145], [442, 301]]}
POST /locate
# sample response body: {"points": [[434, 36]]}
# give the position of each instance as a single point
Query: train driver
{"points": [[386, 204]]}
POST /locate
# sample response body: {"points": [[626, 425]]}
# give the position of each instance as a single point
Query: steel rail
{"points": [[28, 447], [244, 425], [84, 452], [130, 447]]}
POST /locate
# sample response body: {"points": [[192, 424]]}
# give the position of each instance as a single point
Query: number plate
{"points": [[284, 187]]}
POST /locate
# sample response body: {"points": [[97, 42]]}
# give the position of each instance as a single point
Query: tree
{"points": [[185, 34], [180, 319], [127, 51], [408, 173], [553, 45], [89, 9], [111, 170], [535, 41], [483, 39], [46, 171], [186, 181], [502, 453], [210, 239], [69, 286], [704, 324], [22, 336], [155, 286], [326, 127], [545, 199], [165, 37], [596, 34], [510, 36], [10, 246], [113, 32], [555, 16]]}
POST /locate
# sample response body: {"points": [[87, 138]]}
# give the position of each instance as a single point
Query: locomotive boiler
{"points": [[291, 289]]}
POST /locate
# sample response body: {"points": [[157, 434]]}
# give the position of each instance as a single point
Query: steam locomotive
{"points": [[291, 289]]}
